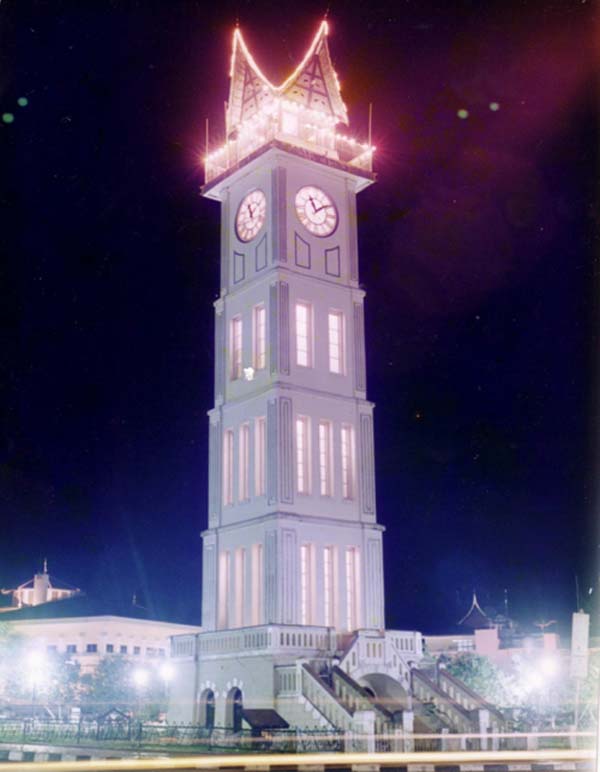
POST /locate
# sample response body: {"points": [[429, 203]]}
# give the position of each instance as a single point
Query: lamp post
{"points": [[36, 664], [140, 679], [166, 673]]}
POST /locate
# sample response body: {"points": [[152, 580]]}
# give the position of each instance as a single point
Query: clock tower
{"points": [[292, 555]]}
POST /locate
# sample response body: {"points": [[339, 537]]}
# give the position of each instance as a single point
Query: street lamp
{"points": [[36, 670], [140, 679]]}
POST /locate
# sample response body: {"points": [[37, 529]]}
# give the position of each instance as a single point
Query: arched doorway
{"points": [[385, 692], [233, 710], [206, 712]]}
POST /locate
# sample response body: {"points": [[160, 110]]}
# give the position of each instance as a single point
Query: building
{"points": [[292, 594], [38, 590], [88, 629]]}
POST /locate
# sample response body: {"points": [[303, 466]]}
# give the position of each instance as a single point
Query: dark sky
{"points": [[478, 254]]}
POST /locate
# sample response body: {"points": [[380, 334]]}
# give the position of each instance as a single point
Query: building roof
{"points": [[313, 84], [81, 605], [476, 618]]}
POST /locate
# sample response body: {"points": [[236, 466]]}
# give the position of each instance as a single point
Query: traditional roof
{"points": [[313, 84], [476, 618]]}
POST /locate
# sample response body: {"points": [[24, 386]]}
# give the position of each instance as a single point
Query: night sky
{"points": [[478, 251]]}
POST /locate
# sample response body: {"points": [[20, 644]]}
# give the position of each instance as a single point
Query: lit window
{"points": [[303, 334], [71, 648], [325, 459], [257, 583], [259, 456], [122, 649], [228, 467], [223, 590], [240, 571], [259, 340], [235, 344], [306, 584], [137, 650], [335, 326], [244, 463], [347, 442], [110, 648], [302, 454], [91, 648], [352, 588], [328, 586]]}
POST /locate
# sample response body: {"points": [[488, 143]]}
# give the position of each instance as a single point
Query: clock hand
{"points": [[312, 201], [325, 206], [250, 211]]}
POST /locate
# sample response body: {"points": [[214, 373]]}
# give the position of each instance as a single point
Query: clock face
{"points": [[251, 215], [316, 211]]}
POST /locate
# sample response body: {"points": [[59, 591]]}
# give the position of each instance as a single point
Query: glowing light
{"points": [[462, 113], [494, 107], [140, 677], [22, 101], [167, 672], [549, 666], [8, 117]]}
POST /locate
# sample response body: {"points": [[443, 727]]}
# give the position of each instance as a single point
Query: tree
{"points": [[112, 685], [483, 677]]}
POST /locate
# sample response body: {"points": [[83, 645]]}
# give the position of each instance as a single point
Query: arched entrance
{"points": [[233, 709], [206, 712], [385, 692]]}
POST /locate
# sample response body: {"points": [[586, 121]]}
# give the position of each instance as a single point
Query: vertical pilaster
{"points": [[366, 464], [279, 213], [373, 583], [220, 352], [225, 241], [279, 327], [360, 369], [209, 582], [289, 577], [272, 451], [271, 574], [352, 233], [215, 460], [286, 455]]}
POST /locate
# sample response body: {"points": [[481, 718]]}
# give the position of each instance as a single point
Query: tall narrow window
{"points": [[227, 467], [335, 329], [352, 588], [325, 459], [223, 590], [239, 582], [302, 454], [303, 334], [244, 463], [259, 340], [306, 584], [347, 443], [257, 584], [235, 347], [328, 586], [259, 456]]}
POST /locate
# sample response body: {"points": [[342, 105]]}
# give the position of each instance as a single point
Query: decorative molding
{"points": [[279, 214], [260, 254], [367, 464], [270, 577], [273, 327], [272, 454], [286, 455], [374, 585], [209, 594], [225, 234], [289, 559], [332, 262], [352, 233], [301, 251], [360, 370], [215, 434], [220, 355], [239, 267], [284, 328]]}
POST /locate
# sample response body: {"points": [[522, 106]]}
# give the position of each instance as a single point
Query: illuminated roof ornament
{"points": [[313, 85]]}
